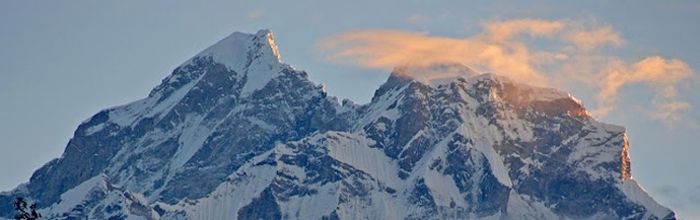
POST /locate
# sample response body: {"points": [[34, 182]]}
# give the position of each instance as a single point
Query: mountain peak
{"points": [[434, 74], [495, 87], [437, 74], [254, 57], [239, 49], [267, 37]]}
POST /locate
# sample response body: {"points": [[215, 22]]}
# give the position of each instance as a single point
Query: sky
{"points": [[632, 63]]}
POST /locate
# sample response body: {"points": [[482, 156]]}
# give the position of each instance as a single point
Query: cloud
{"points": [[504, 47], [506, 30], [587, 40], [255, 14], [663, 75], [416, 19], [390, 48]]}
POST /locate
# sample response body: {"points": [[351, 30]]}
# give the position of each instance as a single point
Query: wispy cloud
{"points": [[663, 75], [256, 14], [590, 39], [416, 19], [573, 56], [494, 50], [508, 29]]}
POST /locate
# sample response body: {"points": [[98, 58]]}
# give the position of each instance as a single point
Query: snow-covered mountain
{"points": [[236, 133]]}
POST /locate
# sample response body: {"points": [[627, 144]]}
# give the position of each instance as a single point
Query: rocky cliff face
{"points": [[235, 133]]}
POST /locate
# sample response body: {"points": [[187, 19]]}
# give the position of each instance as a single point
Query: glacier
{"points": [[236, 133]]}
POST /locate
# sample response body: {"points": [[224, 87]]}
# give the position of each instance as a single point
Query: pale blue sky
{"points": [[61, 62]]}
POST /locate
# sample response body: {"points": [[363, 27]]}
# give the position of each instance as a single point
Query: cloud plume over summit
{"points": [[572, 54]]}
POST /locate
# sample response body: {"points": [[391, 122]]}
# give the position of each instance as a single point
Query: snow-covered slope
{"points": [[235, 133]]}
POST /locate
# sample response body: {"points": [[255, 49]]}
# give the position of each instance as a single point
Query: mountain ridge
{"points": [[236, 132]]}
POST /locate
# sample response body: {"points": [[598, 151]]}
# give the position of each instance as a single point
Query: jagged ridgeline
{"points": [[236, 133]]}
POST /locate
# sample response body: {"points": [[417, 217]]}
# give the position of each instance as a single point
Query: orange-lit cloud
{"points": [[663, 75], [506, 30], [587, 40], [502, 48], [389, 48], [416, 19], [255, 14]]}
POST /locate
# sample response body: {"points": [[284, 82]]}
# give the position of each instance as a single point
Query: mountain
{"points": [[236, 133]]}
